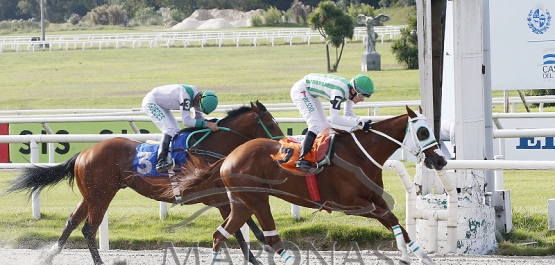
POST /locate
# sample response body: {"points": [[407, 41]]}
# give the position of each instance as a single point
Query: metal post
{"points": [[499, 175], [35, 196], [295, 212], [163, 210], [42, 21], [103, 237]]}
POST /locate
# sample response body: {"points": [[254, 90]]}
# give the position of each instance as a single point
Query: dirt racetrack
{"points": [[151, 257]]}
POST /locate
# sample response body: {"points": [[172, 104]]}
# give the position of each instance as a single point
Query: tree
{"points": [[405, 48], [334, 25]]}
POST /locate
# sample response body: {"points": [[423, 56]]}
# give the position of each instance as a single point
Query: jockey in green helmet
{"points": [[159, 103], [208, 101]]}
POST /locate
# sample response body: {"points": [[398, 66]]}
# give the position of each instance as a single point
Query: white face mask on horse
{"points": [[419, 137]]}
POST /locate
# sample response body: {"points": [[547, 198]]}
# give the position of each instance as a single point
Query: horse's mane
{"points": [[230, 115]]}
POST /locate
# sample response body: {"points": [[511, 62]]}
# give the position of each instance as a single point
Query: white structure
{"points": [[475, 225]]}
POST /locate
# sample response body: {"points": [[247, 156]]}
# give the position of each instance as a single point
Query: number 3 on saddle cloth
{"points": [[144, 163], [289, 153]]}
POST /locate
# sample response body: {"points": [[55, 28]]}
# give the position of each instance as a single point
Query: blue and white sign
{"points": [[527, 148], [522, 43]]}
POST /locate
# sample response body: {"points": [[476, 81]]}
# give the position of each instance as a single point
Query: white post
{"points": [[163, 210], [35, 196], [245, 230], [499, 174], [295, 211], [103, 237]]}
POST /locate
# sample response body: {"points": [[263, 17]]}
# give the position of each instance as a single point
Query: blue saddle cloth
{"points": [[146, 158]]}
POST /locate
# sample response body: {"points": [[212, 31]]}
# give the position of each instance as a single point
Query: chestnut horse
{"points": [[352, 183], [101, 170]]}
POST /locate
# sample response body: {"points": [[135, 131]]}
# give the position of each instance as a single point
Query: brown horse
{"points": [[101, 170], [352, 183]]}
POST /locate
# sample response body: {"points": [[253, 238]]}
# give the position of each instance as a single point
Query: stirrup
{"points": [[163, 167], [304, 165]]}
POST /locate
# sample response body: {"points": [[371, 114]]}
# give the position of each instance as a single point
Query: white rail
{"points": [[179, 39]]}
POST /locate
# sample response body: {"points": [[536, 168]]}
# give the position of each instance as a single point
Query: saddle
{"points": [[146, 158], [289, 152]]}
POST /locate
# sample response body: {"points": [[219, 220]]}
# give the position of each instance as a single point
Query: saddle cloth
{"points": [[289, 152], [146, 158]]}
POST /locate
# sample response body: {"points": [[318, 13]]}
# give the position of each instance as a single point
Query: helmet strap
{"points": [[352, 93]]}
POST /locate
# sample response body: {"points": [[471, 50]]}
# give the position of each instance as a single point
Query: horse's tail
{"points": [[36, 177]]}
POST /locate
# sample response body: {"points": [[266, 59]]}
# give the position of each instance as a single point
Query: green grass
{"points": [[112, 78]]}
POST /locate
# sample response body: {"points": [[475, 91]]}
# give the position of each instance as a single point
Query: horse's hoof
{"points": [[119, 261], [428, 261], [268, 249]]}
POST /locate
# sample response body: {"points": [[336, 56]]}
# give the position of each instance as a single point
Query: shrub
{"points": [[364, 9], [99, 15], [405, 48], [272, 16], [257, 20], [299, 12], [5, 25], [177, 15], [74, 19], [117, 16]]}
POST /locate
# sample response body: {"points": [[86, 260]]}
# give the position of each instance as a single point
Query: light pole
{"points": [[42, 20]]}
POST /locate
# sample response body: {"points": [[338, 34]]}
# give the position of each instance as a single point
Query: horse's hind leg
{"points": [[239, 215], [260, 206], [247, 254], [94, 219], [75, 218], [256, 231]]}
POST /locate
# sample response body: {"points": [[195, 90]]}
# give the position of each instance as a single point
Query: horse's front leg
{"points": [[401, 245], [403, 240]]}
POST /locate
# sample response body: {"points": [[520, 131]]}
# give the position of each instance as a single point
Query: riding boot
{"points": [[162, 165], [306, 147]]}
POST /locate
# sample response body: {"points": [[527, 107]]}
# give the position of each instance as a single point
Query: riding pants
{"points": [[163, 118], [311, 108]]}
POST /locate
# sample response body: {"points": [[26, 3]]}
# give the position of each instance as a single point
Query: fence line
{"points": [[180, 39]]}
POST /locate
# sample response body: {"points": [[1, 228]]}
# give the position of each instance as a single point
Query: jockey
{"points": [[159, 102], [306, 95]]}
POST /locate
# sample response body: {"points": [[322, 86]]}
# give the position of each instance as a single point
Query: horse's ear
{"points": [[253, 106], [420, 110], [261, 106], [410, 112]]}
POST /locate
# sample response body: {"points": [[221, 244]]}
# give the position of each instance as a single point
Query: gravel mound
{"points": [[215, 23], [216, 19]]}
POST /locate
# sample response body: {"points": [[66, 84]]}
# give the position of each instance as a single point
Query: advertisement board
{"points": [[19, 153], [522, 38], [527, 148]]}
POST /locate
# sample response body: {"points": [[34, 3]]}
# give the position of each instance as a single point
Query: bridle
{"points": [[208, 131], [410, 143]]}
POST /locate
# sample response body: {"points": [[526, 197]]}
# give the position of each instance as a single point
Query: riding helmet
{"points": [[363, 84], [208, 101]]}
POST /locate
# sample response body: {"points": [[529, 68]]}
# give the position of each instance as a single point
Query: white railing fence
{"points": [[183, 39]]}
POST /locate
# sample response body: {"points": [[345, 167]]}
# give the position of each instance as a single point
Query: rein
{"points": [[207, 132], [417, 153]]}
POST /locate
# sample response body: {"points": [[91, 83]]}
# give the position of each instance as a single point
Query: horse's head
{"points": [[253, 122], [421, 142]]}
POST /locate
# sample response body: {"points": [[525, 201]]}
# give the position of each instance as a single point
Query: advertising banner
{"points": [[522, 38], [20, 152]]}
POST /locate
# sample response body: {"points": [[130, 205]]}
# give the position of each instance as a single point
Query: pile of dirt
{"points": [[215, 23], [217, 19]]}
